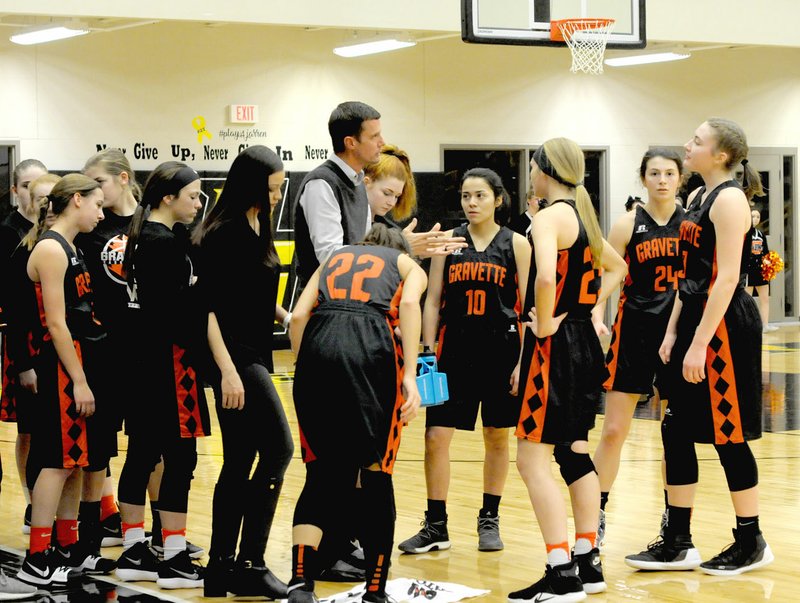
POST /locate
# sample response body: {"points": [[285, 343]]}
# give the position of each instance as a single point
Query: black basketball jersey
{"points": [[654, 262], [577, 281], [362, 273], [480, 288], [103, 250], [699, 246], [77, 295]]}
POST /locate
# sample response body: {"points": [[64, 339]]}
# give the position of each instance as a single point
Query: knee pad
{"points": [[741, 470], [573, 465], [680, 456]]}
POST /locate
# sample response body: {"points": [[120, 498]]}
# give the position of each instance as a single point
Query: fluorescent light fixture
{"points": [[49, 33], [644, 59], [364, 48]]}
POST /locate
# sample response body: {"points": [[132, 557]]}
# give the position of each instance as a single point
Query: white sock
{"points": [[131, 537], [583, 546], [174, 544], [557, 556]]}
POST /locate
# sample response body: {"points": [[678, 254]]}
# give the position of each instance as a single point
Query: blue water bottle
{"points": [[431, 383]]}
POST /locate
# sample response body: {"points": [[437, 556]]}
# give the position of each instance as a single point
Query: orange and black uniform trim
{"points": [[562, 375], [726, 406]]}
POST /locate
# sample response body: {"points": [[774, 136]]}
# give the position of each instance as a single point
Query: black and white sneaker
{"points": [[43, 569], [738, 558], [432, 537], [80, 561], [138, 563], [111, 530], [667, 554], [590, 571], [95, 565], [560, 584], [180, 572]]}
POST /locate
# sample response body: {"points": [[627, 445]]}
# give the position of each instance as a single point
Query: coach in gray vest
{"points": [[332, 209]]}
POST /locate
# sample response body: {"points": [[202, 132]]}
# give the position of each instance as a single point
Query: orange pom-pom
{"points": [[771, 265]]}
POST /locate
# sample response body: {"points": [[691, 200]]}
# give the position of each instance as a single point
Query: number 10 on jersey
{"points": [[476, 302]]}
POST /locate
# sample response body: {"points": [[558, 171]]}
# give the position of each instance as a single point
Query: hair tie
{"points": [[577, 184], [745, 179]]}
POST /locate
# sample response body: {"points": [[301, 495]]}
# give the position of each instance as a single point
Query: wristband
{"points": [[286, 320]]}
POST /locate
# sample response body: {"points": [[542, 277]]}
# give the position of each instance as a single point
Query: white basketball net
{"points": [[587, 40]]}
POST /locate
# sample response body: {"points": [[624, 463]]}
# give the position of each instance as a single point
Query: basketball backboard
{"points": [[527, 22]]}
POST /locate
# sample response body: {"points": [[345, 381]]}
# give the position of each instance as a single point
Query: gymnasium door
{"points": [[7, 155], [773, 208]]}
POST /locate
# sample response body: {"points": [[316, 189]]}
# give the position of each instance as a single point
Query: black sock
{"points": [[303, 565], [603, 500], [437, 510], [379, 519], [491, 505], [89, 526], [156, 525], [747, 527], [678, 522]]}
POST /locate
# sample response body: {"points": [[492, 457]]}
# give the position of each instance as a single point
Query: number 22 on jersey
{"points": [[367, 267]]}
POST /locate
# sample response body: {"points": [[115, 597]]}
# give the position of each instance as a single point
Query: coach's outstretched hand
{"points": [[433, 242]]}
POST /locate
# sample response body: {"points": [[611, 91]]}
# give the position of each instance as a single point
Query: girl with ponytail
{"points": [[103, 249], [563, 369], [713, 350], [169, 410], [66, 433]]}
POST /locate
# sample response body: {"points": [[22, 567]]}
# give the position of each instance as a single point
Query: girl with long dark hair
{"points": [[239, 269]]}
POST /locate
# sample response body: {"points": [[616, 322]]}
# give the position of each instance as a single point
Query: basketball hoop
{"points": [[586, 39]]}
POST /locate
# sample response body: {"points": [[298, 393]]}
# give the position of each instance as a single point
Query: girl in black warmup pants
{"points": [[169, 322], [239, 278]]}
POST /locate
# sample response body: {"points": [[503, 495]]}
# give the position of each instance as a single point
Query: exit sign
{"points": [[243, 114]]}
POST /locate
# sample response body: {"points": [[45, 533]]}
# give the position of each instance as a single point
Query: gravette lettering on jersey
{"points": [[690, 232], [477, 271], [657, 248], [112, 255]]}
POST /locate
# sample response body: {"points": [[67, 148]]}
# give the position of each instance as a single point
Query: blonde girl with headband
{"points": [[563, 370]]}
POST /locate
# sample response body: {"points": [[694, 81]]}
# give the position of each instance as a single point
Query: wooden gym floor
{"points": [[633, 511]]}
